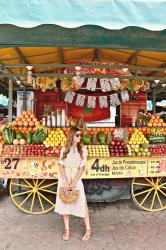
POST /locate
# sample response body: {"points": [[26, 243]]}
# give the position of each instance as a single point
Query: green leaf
{"points": [[87, 110]]}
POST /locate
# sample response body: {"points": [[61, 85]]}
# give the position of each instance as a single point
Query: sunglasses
{"points": [[78, 135]]}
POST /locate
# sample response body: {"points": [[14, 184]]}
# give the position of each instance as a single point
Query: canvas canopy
{"points": [[129, 24]]}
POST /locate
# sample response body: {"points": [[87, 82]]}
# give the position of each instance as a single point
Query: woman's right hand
{"points": [[66, 185]]}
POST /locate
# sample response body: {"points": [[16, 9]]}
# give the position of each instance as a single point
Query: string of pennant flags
{"points": [[91, 101], [105, 83]]}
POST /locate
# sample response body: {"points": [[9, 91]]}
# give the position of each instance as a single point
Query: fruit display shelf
{"points": [[158, 150], [29, 151], [98, 151]]}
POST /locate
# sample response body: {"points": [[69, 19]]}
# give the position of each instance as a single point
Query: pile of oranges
{"points": [[105, 130], [156, 121], [26, 122]]}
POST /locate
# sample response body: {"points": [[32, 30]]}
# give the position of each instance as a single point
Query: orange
{"points": [[149, 124], [144, 129], [160, 120], [24, 129], [154, 124]]}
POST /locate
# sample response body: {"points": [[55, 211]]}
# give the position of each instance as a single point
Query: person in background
{"points": [[72, 163], [3, 121]]}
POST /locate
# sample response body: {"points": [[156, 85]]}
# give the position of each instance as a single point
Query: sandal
{"points": [[66, 234], [87, 235]]}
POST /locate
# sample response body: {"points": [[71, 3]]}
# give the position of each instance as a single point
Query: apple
{"points": [[112, 143]]}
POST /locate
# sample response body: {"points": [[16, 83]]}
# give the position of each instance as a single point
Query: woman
{"points": [[72, 164]]}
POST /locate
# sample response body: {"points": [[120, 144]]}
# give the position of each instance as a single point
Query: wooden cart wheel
{"points": [[33, 196], [149, 193]]}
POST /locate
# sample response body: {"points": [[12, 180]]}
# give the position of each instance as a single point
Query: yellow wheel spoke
{"points": [[158, 197], [41, 183], [25, 199], [162, 192], [36, 184], [27, 182], [22, 193], [41, 204], [143, 192], [48, 185], [47, 190], [163, 184], [152, 180], [142, 184], [152, 204], [159, 179], [145, 198], [19, 185], [149, 181], [46, 199], [163, 187], [32, 203]]}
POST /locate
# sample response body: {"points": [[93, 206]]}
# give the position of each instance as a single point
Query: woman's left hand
{"points": [[72, 185]]}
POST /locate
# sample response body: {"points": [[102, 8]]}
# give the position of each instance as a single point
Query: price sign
{"points": [[8, 163]]}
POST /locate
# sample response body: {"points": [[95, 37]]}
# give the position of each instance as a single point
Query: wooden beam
{"points": [[153, 73], [60, 58], [160, 91], [133, 56], [96, 56], [8, 73], [22, 57], [143, 56]]}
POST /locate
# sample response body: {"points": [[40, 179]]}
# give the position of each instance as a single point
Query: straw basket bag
{"points": [[68, 196]]}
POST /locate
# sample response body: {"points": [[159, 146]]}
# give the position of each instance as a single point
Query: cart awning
{"points": [[110, 14], [129, 24]]}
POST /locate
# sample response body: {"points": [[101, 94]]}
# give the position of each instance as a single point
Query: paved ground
{"points": [[116, 226]]}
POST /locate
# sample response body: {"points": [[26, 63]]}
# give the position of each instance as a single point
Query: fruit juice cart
{"points": [[114, 166], [31, 167]]}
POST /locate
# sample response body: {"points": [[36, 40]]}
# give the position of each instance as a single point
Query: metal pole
{"points": [[10, 94], [154, 101], [24, 99]]}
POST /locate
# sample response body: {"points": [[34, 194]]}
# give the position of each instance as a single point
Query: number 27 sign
{"points": [[9, 163]]}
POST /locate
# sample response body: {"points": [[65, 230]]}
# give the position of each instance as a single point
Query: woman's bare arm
{"points": [[63, 175], [77, 177]]}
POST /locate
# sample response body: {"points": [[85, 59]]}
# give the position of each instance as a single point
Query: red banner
{"points": [[97, 113]]}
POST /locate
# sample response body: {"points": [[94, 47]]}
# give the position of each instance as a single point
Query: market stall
{"points": [[126, 146], [132, 150]]}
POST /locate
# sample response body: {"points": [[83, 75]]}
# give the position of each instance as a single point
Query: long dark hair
{"points": [[69, 143]]}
